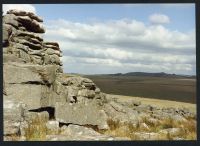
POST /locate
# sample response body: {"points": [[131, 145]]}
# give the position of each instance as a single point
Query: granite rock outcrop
{"points": [[33, 76]]}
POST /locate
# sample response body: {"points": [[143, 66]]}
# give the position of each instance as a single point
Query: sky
{"points": [[121, 38]]}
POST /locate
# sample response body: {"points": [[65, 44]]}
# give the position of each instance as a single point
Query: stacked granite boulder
{"points": [[21, 37], [82, 104], [34, 83]]}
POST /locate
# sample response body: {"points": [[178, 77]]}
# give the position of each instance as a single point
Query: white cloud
{"points": [[25, 7], [122, 46], [159, 19]]}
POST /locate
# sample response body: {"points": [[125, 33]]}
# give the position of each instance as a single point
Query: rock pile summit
{"points": [[40, 102], [33, 77]]}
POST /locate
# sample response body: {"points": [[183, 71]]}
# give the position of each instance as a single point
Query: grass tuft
{"points": [[36, 130], [188, 129]]}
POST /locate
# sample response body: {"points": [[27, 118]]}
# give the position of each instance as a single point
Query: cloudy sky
{"points": [[120, 38]]}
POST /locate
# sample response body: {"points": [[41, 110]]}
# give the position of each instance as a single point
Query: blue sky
{"points": [[120, 38], [181, 15]]}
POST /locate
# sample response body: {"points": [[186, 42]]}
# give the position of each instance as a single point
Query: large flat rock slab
{"points": [[34, 96], [81, 114], [16, 73], [20, 74], [13, 112], [76, 132]]}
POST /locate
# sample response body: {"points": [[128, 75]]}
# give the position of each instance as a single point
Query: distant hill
{"points": [[159, 74]]}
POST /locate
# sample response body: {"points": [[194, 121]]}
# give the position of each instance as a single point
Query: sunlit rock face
{"points": [[33, 77]]}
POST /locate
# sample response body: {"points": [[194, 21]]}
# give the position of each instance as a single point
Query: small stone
{"points": [[144, 127], [53, 127]]}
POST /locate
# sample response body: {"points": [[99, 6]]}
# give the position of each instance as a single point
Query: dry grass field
{"points": [[127, 130]]}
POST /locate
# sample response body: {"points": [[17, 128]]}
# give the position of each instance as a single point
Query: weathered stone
{"points": [[9, 138], [58, 87], [26, 73], [5, 48], [59, 68], [37, 52], [55, 59], [144, 127], [23, 13], [48, 73], [82, 133], [23, 55], [89, 85], [46, 59], [23, 127], [29, 44], [120, 114], [178, 118], [51, 43], [144, 108], [20, 74], [161, 116], [117, 107], [11, 58], [52, 127], [22, 138], [50, 51], [6, 33], [34, 95], [21, 47], [190, 115], [55, 48], [28, 80], [13, 115], [130, 103], [49, 97], [22, 28], [72, 94], [75, 81], [81, 114], [86, 93], [31, 39], [153, 121], [78, 130], [97, 90], [11, 19], [143, 116], [35, 59], [115, 115], [28, 34], [146, 136], [31, 24], [172, 132]]}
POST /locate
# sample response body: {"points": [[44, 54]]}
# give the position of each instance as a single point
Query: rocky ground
{"points": [[40, 102]]}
